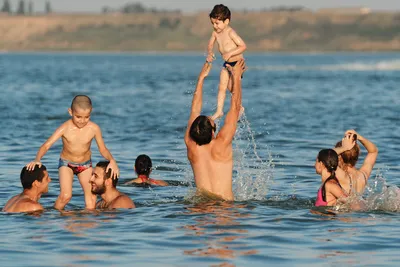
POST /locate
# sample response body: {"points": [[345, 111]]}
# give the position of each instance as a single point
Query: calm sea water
{"points": [[295, 106]]}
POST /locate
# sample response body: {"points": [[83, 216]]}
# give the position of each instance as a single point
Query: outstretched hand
{"points": [[205, 70], [31, 165], [114, 169], [238, 69]]}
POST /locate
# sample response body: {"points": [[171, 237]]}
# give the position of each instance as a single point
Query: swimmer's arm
{"points": [[227, 132], [162, 183], [210, 47], [336, 191], [46, 145], [105, 152], [371, 157], [241, 46], [197, 98]]}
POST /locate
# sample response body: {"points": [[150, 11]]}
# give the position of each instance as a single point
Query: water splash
{"points": [[378, 196], [252, 175], [382, 197]]}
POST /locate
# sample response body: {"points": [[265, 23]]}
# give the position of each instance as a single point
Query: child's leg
{"points": [[66, 176], [230, 87], [84, 179], [223, 85]]}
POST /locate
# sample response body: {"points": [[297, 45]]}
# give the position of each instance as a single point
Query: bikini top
{"points": [[321, 195], [147, 180]]}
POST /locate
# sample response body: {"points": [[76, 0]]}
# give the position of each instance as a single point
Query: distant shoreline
{"points": [[264, 32]]}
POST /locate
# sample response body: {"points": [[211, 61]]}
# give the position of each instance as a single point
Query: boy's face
{"points": [[80, 117], [219, 25]]}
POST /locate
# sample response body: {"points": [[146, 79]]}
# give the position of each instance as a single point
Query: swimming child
{"points": [[231, 47], [77, 134], [331, 190], [143, 167]]}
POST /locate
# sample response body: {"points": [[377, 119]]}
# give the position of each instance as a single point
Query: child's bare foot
{"points": [[217, 115]]}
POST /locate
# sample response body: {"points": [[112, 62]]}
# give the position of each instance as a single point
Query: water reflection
{"points": [[218, 231], [78, 222]]}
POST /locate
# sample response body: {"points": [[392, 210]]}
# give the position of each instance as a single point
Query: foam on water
{"points": [[383, 65]]}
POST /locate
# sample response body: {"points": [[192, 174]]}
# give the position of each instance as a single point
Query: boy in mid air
{"points": [[77, 134], [231, 47]]}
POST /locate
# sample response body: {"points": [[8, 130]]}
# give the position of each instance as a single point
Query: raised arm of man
{"points": [[197, 98], [227, 132]]}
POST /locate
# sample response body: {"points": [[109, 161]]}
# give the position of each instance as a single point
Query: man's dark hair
{"points": [[201, 130], [107, 175], [220, 12], [28, 177], [143, 165]]}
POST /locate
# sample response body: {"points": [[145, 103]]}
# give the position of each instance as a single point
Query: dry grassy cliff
{"points": [[262, 31]]}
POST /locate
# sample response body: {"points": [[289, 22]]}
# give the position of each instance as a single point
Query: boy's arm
{"points": [[210, 54], [227, 132], [197, 98], [46, 146], [106, 153], [241, 46]]}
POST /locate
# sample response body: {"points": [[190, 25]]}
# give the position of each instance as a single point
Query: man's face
{"points": [[80, 117], [44, 184], [97, 181]]}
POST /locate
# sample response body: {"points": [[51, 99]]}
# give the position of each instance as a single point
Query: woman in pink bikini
{"points": [[331, 190], [143, 167]]}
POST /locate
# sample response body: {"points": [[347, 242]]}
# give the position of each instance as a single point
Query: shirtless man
{"points": [[210, 155], [105, 186], [34, 184]]}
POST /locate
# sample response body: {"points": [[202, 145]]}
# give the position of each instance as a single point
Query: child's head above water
{"points": [[81, 108], [220, 12], [220, 17], [143, 165], [82, 102]]}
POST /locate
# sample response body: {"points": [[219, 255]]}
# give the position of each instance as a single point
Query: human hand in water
{"points": [[238, 69], [205, 70], [114, 169], [31, 165]]}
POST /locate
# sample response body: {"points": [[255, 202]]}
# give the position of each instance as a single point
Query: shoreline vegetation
{"points": [[299, 31]]}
